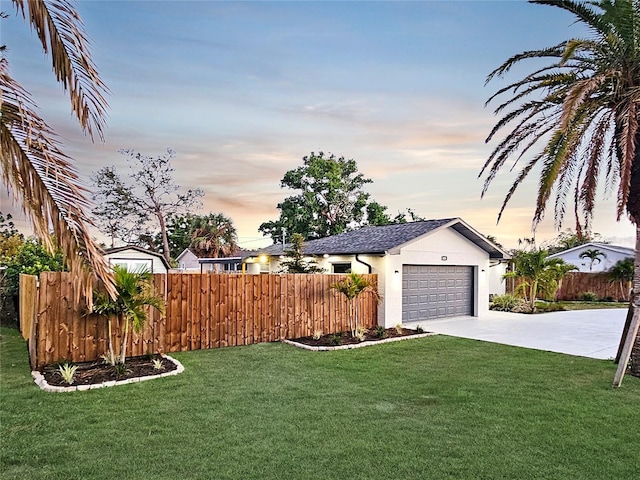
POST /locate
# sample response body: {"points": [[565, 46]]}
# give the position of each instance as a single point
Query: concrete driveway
{"points": [[585, 333]]}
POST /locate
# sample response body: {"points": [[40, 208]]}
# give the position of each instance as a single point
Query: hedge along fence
{"points": [[202, 311], [575, 284]]}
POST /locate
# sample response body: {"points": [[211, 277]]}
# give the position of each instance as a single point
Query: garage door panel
{"points": [[436, 291]]}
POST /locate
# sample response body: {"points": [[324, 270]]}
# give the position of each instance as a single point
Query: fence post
{"points": [[28, 296]]}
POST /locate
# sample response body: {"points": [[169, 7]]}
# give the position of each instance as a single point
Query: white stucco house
{"points": [[611, 255], [426, 270], [136, 258]]}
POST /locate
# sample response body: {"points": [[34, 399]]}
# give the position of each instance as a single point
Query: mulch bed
{"points": [[90, 373], [345, 338]]}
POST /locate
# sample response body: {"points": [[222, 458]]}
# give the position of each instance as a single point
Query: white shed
{"points": [[135, 258]]}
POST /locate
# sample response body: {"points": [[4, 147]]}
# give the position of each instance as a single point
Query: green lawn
{"points": [[577, 305], [437, 407]]}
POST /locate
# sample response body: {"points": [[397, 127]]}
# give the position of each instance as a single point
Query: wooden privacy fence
{"points": [[575, 284], [202, 311]]}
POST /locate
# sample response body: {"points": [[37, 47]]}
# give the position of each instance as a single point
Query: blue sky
{"points": [[243, 90]]}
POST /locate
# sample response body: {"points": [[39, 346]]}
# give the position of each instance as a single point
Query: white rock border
{"points": [[358, 345], [39, 379]]}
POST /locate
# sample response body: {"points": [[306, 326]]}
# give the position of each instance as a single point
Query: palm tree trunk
{"points": [[355, 313], [631, 346], [534, 290], [112, 355], [123, 349], [633, 208]]}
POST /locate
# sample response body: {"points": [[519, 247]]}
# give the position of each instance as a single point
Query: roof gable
{"points": [[600, 246], [389, 238], [135, 248]]}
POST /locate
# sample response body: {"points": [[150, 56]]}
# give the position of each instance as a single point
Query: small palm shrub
{"points": [[504, 303], [589, 297], [361, 333], [67, 372], [380, 331]]}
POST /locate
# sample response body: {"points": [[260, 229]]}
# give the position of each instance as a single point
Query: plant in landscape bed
{"points": [[335, 338], [380, 331], [67, 372], [134, 295], [352, 287]]}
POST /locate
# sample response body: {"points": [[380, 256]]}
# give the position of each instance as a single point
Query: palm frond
{"points": [[61, 33], [46, 184], [627, 141]]}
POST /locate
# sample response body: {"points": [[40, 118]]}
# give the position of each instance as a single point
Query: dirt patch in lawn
{"points": [[97, 372], [346, 340]]}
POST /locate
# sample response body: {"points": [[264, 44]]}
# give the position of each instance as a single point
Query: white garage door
{"points": [[433, 291]]}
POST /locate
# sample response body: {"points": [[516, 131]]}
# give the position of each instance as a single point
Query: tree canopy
{"points": [[146, 201], [576, 115], [331, 199]]}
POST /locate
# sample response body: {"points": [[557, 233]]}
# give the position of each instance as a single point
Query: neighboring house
{"points": [[426, 270], [136, 258], [188, 261], [613, 254]]}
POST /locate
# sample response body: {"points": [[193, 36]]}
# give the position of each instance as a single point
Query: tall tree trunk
{"points": [[633, 208], [635, 304], [165, 238], [630, 351], [125, 338]]}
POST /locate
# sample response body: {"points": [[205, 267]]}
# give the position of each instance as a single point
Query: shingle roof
{"points": [[384, 238]]}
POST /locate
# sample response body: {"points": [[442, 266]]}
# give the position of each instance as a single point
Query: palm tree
{"points": [[622, 272], [135, 293], [594, 255], [32, 162], [538, 273], [352, 286], [582, 110], [214, 235]]}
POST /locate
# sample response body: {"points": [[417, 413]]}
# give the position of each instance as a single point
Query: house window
{"points": [[341, 268]]}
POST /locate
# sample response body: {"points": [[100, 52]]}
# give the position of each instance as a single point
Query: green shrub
{"points": [[336, 339], [380, 331], [504, 303], [589, 297]]}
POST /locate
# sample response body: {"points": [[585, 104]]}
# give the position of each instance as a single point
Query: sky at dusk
{"points": [[243, 90]]}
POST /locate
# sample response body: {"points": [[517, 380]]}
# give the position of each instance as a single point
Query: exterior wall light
{"points": [[443, 258]]}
